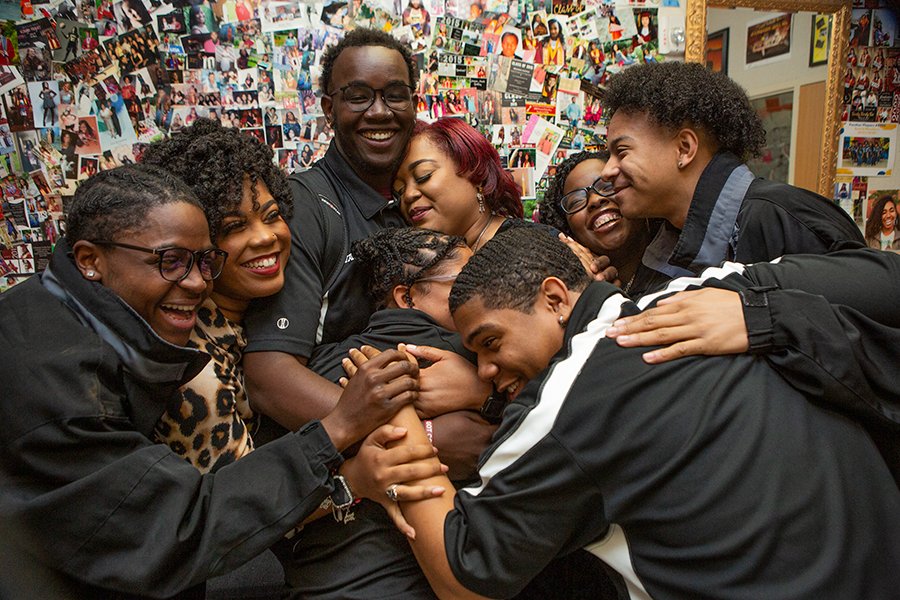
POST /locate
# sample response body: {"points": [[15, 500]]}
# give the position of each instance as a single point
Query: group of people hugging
{"points": [[678, 385]]}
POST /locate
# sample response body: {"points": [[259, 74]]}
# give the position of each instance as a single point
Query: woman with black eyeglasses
{"points": [[91, 505], [582, 205], [246, 199]]}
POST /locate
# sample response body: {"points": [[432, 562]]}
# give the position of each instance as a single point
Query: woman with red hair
{"points": [[451, 180]]}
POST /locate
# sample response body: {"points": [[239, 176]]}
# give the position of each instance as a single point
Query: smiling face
{"points": [[888, 216], [169, 308], [642, 168], [600, 225], [431, 194], [372, 141], [508, 44], [512, 346], [258, 242]]}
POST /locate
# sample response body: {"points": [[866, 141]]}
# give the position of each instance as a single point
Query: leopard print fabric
{"points": [[209, 422]]}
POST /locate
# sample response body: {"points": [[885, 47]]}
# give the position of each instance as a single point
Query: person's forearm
{"points": [[281, 387], [427, 518]]}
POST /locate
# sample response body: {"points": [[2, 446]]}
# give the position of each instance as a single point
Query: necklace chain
{"points": [[481, 234]]}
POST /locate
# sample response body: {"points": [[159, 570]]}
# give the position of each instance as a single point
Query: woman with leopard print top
{"points": [[246, 200]]}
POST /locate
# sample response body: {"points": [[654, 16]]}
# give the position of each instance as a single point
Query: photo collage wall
{"points": [[85, 85], [871, 109]]}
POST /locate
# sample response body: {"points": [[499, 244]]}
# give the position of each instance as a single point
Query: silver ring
{"points": [[392, 493]]}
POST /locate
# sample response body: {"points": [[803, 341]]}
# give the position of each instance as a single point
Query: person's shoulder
{"points": [[515, 222]]}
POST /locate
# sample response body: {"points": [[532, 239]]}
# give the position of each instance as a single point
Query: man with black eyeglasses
{"points": [[368, 85]]}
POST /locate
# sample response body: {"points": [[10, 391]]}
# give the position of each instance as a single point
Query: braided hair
{"points": [[401, 256], [507, 272], [552, 213], [214, 161], [117, 201]]}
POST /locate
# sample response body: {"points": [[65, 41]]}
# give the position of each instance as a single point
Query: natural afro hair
{"points": [[507, 272], [675, 94], [117, 201], [214, 161], [401, 256], [551, 212], [364, 37]]}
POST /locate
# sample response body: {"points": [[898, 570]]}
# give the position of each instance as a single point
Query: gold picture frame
{"points": [[695, 51]]}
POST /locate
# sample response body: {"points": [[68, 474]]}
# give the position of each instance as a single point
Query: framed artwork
{"points": [[717, 51], [769, 40], [820, 40]]}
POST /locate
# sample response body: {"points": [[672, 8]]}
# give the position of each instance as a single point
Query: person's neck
{"points": [[380, 182], [232, 308], [885, 231], [682, 195], [482, 230], [627, 259]]}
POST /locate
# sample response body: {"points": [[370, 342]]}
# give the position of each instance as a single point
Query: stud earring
{"points": [[562, 321], [480, 197], [90, 274], [680, 164]]}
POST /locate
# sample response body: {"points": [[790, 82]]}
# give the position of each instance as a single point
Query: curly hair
{"points": [[214, 161], [118, 200], [552, 213], [507, 272], [477, 160], [873, 223], [365, 37], [675, 94], [401, 256]]}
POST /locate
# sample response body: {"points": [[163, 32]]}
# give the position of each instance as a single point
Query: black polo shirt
{"points": [[305, 314]]}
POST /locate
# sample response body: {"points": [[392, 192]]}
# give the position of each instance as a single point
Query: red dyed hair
{"points": [[476, 160]]}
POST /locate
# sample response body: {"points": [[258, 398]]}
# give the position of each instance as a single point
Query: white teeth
{"points": [[606, 218], [261, 263], [180, 307], [378, 135]]}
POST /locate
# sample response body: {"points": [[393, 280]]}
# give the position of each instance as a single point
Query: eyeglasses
{"points": [[360, 97], [176, 263], [437, 278], [577, 199]]}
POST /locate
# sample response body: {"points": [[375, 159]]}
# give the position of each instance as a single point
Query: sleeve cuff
{"points": [[758, 318]]}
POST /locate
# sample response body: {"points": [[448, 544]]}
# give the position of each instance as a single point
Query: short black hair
{"points": [[365, 37], [552, 213], [508, 270], [400, 256], [118, 201], [674, 94], [214, 161]]}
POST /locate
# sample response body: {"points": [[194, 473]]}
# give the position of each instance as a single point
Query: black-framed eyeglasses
{"points": [[176, 263], [360, 97], [577, 199]]}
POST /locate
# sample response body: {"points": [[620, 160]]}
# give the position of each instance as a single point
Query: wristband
{"points": [[429, 429]]}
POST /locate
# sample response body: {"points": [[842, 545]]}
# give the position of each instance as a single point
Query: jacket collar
{"points": [[600, 301], [145, 356], [708, 234]]}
